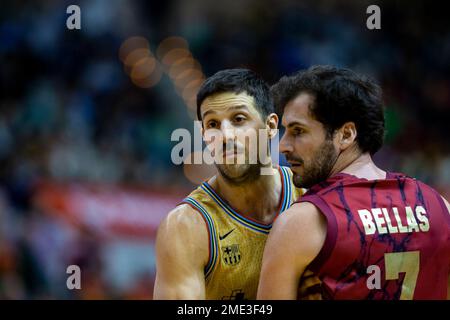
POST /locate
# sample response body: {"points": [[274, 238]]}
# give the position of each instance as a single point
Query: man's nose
{"points": [[228, 131], [285, 144]]}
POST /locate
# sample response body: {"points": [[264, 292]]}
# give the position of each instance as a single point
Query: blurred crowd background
{"points": [[84, 111]]}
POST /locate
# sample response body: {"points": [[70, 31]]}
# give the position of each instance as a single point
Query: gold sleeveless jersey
{"points": [[236, 243]]}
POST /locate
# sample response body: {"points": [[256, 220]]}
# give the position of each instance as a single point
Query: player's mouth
{"points": [[295, 165], [232, 155], [232, 152]]}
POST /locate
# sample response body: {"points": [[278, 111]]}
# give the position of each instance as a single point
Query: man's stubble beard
{"points": [[319, 169], [248, 172], [239, 174]]}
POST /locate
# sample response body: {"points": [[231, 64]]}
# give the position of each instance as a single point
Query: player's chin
{"points": [[237, 172], [234, 170]]}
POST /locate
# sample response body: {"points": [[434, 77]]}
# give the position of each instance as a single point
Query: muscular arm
{"points": [[294, 241], [181, 255]]}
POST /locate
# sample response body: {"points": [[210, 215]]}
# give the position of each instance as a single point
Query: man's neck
{"points": [[258, 199], [358, 164]]}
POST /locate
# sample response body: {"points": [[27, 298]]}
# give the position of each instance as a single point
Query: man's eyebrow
{"points": [[236, 107], [295, 123]]}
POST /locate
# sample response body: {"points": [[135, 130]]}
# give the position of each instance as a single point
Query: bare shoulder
{"points": [[303, 228], [183, 218], [300, 215], [183, 230]]}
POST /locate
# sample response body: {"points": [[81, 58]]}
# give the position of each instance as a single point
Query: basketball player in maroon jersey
{"points": [[367, 233]]}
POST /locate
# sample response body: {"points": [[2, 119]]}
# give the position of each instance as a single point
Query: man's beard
{"points": [[238, 174], [319, 169]]}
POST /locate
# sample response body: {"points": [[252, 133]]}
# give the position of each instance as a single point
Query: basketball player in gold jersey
{"points": [[211, 245]]}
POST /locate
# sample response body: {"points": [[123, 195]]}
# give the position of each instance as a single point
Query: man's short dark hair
{"points": [[238, 81], [341, 95]]}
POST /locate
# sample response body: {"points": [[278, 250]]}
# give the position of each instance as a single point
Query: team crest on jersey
{"points": [[231, 254]]}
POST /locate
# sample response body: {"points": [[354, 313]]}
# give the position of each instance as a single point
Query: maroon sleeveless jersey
{"points": [[386, 239]]}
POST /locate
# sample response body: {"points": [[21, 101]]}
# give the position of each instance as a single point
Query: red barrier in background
{"points": [[106, 210]]}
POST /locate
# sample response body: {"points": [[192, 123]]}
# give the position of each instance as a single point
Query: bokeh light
{"points": [[131, 44], [139, 62], [174, 55], [169, 44]]}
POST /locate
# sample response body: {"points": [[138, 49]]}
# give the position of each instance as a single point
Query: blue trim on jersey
{"points": [[287, 188], [232, 213], [241, 219], [213, 245]]}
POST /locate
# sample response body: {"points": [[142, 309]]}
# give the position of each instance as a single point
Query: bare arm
{"points": [[447, 204], [448, 281], [294, 241], [181, 255]]}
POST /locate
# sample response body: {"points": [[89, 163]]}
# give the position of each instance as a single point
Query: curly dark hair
{"points": [[237, 81], [341, 95]]}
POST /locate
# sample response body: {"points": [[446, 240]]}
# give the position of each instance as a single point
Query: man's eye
{"points": [[212, 124], [298, 132], [239, 118]]}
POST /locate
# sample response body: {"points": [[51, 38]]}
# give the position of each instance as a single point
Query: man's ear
{"points": [[272, 125], [346, 135]]}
